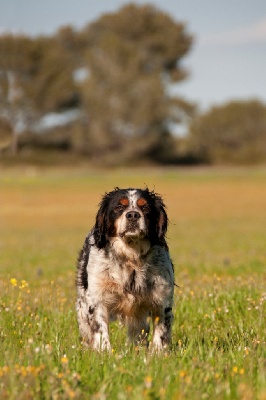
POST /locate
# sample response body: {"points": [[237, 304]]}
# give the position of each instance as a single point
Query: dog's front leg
{"points": [[162, 325], [98, 321], [93, 324]]}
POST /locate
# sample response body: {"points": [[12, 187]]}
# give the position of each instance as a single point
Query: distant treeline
{"points": [[103, 93]]}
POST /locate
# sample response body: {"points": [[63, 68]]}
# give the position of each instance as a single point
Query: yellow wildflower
{"points": [[13, 281], [64, 360], [148, 382]]}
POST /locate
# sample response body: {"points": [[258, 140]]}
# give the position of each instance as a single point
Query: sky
{"points": [[227, 60]]}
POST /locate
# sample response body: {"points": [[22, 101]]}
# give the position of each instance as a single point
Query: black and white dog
{"points": [[125, 271]]}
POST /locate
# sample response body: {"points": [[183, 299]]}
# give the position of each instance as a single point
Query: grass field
{"points": [[217, 238]]}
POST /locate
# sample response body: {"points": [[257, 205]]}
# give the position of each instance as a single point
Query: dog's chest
{"points": [[129, 278], [126, 287]]}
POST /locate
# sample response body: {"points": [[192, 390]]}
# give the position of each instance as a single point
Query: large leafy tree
{"points": [[133, 56], [234, 132], [35, 78], [129, 59], [14, 65]]}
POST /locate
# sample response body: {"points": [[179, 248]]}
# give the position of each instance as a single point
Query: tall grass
{"points": [[217, 240]]}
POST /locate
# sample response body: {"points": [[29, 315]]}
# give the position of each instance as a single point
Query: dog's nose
{"points": [[132, 215]]}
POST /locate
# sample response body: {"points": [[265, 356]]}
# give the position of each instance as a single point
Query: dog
{"points": [[124, 271]]}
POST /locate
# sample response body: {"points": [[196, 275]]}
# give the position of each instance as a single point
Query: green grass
{"points": [[217, 239]]}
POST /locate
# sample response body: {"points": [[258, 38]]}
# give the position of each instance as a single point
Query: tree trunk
{"points": [[14, 144]]}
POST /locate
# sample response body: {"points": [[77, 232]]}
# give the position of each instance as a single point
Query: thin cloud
{"points": [[255, 33]]}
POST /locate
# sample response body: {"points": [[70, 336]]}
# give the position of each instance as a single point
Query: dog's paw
{"points": [[101, 344]]}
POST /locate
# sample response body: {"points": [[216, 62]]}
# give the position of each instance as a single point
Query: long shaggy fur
{"points": [[125, 271]]}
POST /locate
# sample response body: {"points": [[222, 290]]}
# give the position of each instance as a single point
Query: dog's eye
{"points": [[119, 208], [146, 209]]}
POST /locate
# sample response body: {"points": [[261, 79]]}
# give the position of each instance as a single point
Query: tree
{"points": [[5, 135], [234, 132], [133, 56], [36, 78], [13, 64], [122, 94]]}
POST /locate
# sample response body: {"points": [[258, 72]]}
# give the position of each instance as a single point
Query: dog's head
{"points": [[131, 214]]}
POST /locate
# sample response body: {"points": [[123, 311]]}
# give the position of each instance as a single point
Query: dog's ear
{"points": [[159, 220], [100, 228], [162, 219]]}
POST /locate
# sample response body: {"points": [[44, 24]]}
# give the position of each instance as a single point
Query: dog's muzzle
{"points": [[132, 216]]}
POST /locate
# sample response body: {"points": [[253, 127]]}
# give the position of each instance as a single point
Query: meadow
{"points": [[217, 238]]}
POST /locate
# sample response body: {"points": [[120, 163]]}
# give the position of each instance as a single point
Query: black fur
{"points": [[82, 278]]}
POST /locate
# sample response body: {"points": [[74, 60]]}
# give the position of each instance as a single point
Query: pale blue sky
{"points": [[228, 59]]}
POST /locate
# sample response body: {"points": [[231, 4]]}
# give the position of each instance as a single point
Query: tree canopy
{"points": [[109, 86], [130, 58], [35, 78], [131, 66], [234, 132]]}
